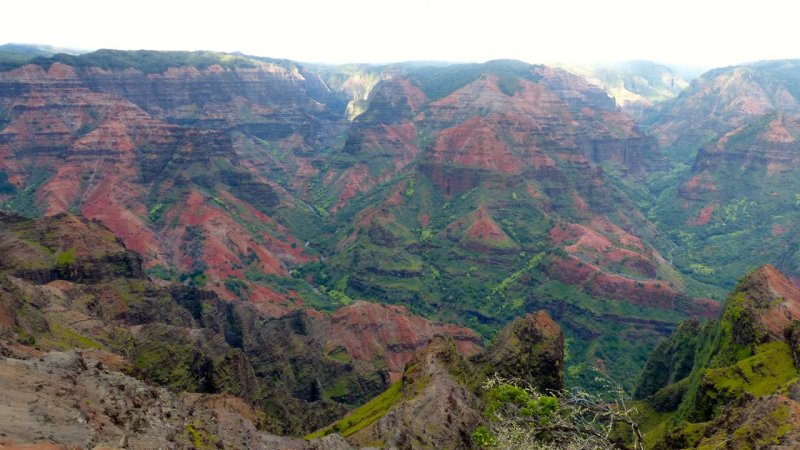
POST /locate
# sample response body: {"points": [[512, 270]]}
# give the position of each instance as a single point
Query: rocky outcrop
{"points": [[731, 381], [771, 300], [530, 349], [436, 410], [81, 402], [390, 335], [436, 404]]}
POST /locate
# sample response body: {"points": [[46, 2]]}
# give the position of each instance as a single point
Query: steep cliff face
{"points": [[733, 139], [67, 282], [500, 117], [180, 161], [732, 381], [382, 141], [724, 99]]}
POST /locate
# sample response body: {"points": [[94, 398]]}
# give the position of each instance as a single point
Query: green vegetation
{"points": [[522, 417], [539, 407], [761, 374], [482, 438], [700, 269], [177, 366], [16, 55], [148, 61], [439, 82], [237, 286], [199, 438], [66, 258], [63, 337], [155, 212], [339, 355], [748, 198], [364, 415], [435, 273], [707, 375], [24, 201], [162, 273]]}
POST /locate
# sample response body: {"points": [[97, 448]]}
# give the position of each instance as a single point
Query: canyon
{"points": [[291, 240]]}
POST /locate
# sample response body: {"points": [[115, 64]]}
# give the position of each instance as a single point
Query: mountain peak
{"points": [[531, 349], [774, 299], [767, 283]]}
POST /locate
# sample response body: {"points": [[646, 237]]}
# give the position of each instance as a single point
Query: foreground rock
{"points": [[74, 399], [437, 402]]}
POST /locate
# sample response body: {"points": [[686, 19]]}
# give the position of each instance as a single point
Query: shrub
{"points": [[524, 418]]}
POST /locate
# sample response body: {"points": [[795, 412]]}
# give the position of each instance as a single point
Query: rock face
{"points": [[436, 410], [530, 348], [68, 282], [731, 381], [437, 402], [82, 402], [167, 158], [774, 301], [370, 332]]}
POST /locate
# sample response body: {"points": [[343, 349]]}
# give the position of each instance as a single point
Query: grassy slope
{"points": [[364, 415]]}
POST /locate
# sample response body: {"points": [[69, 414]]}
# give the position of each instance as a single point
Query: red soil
{"points": [[424, 219], [367, 331], [702, 218], [700, 182], [777, 299], [398, 140], [485, 229], [475, 143], [650, 293], [779, 230]]}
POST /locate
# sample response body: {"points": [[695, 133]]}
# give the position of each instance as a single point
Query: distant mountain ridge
{"points": [[15, 55], [730, 200], [635, 86]]}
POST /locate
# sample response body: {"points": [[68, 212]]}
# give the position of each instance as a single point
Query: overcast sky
{"points": [[691, 32]]}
